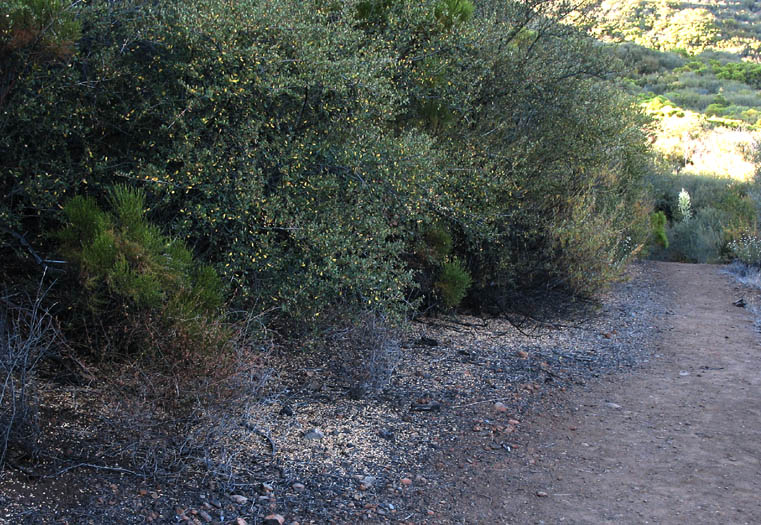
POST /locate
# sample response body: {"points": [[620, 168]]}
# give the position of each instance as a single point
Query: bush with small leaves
{"points": [[297, 146]]}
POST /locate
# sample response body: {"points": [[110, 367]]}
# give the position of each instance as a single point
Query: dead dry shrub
{"points": [[367, 352], [28, 333], [171, 409]]}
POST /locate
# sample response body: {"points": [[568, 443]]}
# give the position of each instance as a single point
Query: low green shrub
{"points": [[658, 235], [693, 66], [745, 72], [716, 110], [453, 283], [127, 267]]}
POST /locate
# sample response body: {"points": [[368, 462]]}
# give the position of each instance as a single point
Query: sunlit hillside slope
{"points": [[697, 68]]}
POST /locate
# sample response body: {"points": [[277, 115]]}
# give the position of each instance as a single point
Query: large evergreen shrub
{"points": [[297, 146]]}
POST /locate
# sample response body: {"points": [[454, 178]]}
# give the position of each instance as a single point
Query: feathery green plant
{"points": [[123, 257], [453, 283]]}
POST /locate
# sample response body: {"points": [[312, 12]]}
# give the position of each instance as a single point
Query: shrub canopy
{"points": [[300, 147]]}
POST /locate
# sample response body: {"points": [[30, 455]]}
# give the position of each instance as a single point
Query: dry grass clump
{"points": [[176, 413], [367, 352], [160, 415], [28, 333]]}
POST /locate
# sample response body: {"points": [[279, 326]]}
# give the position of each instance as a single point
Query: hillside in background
{"points": [[697, 68]]}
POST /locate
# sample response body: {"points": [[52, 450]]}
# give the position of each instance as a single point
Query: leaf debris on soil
{"points": [[438, 394]]}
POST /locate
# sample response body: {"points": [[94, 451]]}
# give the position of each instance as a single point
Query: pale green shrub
{"points": [[747, 249]]}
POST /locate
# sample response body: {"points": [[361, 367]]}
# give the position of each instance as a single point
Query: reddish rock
{"points": [[274, 519]]}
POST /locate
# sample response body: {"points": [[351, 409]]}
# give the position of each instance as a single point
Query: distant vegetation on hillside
{"points": [[732, 26], [696, 68]]}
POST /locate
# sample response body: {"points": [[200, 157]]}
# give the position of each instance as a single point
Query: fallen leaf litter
{"points": [[306, 452]]}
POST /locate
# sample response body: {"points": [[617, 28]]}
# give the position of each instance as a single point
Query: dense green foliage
{"points": [[658, 229], [300, 148], [122, 255], [453, 283], [744, 72], [129, 272]]}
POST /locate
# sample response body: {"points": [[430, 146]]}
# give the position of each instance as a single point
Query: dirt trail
{"points": [[676, 439], [676, 442]]}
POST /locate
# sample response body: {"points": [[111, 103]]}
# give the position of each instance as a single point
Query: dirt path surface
{"points": [[678, 441]]}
